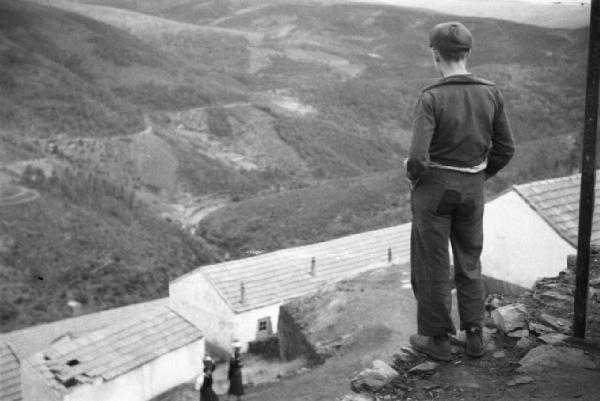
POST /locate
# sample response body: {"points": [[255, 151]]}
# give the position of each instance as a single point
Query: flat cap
{"points": [[450, 36]]}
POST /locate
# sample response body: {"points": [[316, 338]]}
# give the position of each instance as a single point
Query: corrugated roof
{"points": [[114, 350], [281, 275], [26, 342], [557, 201], [10, 378]]}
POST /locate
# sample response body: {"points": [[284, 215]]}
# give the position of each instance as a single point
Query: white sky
{"points": [[548, 13]]}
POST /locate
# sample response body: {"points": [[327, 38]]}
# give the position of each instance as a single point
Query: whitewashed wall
{"points": [[194, 298], [519, 246], [246, 323], [149, 380]]}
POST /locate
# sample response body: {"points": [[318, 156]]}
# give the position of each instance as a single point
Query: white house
{"points": [[240, 299], [530, 230], [130, 353]]}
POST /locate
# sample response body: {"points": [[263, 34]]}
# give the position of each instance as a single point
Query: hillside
{"points": [[67, 74], [87, 240], [307, 215], [256, 125]]}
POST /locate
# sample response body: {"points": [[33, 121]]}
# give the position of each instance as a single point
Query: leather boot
{"points": [[475, 347], [437, 347]]}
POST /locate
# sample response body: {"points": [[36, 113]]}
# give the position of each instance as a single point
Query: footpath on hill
{"points": [[362, 327]]}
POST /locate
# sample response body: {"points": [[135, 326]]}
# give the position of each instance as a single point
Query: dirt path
{"points": [[11, 194]]}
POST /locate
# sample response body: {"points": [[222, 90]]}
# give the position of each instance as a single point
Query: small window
{"points": [[264, 327]]}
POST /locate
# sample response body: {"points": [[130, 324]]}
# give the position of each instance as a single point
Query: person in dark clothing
{"points": [[236, 387], [461, 137], [205, 381]]}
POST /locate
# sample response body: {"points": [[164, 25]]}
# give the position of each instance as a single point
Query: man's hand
{"points": [[411, 184]]}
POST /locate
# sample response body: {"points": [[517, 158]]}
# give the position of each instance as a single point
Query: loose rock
{"points": [[519, 333], [556, 323], [510, 317], [358, 397], [540, 328], [557, 295], [553, 338], [547, 356], [520, 380], [425, 367], [374, 378]]}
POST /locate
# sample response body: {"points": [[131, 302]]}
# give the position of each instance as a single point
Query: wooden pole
{"points": [[588, 174]]}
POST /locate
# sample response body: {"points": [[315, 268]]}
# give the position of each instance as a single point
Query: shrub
{"points": [[218, 123]]}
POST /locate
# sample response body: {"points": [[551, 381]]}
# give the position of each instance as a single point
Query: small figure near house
{"points": [[236, 387], [205, 381]]}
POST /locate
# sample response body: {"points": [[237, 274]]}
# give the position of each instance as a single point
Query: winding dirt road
{"points": [[11, 194]]}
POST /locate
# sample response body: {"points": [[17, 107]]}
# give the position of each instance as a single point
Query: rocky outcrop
{"points": [[374, 378], [529, 346], [545, 357]]}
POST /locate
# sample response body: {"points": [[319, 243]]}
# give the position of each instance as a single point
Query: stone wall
{"points": [[292, 340]]}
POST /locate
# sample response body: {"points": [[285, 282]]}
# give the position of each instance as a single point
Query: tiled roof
{"points": [[557, 201], [281, 275], [26, 342], [114, 350], [10, 379]]}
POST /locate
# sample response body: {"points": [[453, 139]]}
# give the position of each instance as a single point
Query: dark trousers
{"points": [[447, 205]]}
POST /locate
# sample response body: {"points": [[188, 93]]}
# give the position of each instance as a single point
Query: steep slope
{"points": [[308, 215], [88, 240], [68, 74], [86, 236]]}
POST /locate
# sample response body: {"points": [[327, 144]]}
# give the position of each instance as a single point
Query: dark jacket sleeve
{"points": [[503, 144], [423, 129]]}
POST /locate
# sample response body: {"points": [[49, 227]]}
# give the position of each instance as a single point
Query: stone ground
{"points": [[369, 319], [537, 359]]}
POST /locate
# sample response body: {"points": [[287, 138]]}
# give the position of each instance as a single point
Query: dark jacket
{"points": [[460, 122]]}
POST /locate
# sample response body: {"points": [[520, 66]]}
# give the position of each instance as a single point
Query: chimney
{"points": [[242, 293], [313, 263], [390, 255], [75, 307]]}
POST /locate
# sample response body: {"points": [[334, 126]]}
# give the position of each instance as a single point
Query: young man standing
{"points": [[461, 137]]}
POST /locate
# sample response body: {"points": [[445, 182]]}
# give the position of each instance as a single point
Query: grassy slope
{"points": [[65, 73], [48, 71], [308, 215], [75, 243]]}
